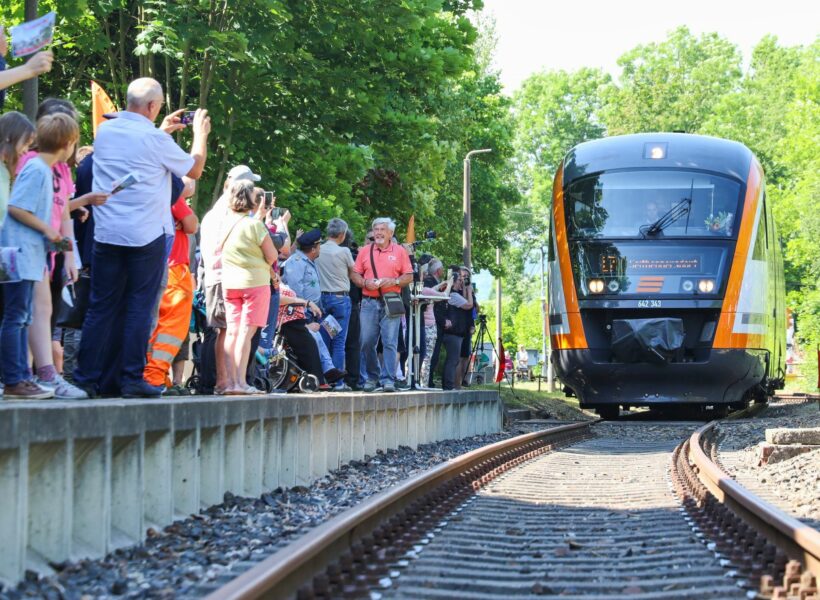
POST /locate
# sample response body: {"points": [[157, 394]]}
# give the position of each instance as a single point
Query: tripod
{"points": [[481, 335]]}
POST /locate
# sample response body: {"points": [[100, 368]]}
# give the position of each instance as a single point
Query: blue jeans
{"points": [[124, 285], [324, 355], [269, 331], [376, 322], [17, 299], [339, 307]]}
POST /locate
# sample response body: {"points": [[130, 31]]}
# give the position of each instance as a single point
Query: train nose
{"points": [[659, 340]]}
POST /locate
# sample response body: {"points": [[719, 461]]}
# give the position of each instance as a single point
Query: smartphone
{"points": [[187, 117], [268, 199], [64, 245], [277, 212]]}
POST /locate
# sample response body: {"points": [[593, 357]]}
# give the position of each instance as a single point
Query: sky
{"points": [[536, 35]]}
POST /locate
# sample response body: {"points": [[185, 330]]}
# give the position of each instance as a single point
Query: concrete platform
{"points": [[81, 478]]}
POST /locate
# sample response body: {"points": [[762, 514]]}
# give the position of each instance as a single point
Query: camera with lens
{"points": [[430, 235], [455, 271]]}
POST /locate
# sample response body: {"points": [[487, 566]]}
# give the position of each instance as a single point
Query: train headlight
{"points": [[613, 285], [706, 286], [596, 286], [688, 285]]}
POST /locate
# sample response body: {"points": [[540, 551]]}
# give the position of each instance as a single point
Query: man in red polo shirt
{"points": [[381, 267]]}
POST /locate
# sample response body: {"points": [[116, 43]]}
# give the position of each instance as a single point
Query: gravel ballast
{"points": [[792, 484], [220, 542]]}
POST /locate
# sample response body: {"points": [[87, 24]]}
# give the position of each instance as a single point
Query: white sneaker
{"points": [[62, 389]]}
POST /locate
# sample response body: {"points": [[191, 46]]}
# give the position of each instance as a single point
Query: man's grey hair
{"points": [[391, 225], [434, 266], [336, 227], [142, 91]]}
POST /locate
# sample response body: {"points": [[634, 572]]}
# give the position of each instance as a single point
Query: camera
{"points": [[268, 200], [188, 117], [455, 271], [430, 235]]}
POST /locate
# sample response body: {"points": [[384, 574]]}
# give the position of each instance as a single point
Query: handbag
{"points": [[71, 313], [393, 304]]}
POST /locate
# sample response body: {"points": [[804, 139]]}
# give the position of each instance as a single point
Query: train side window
{"points": [[550, 242], [761, 240]]}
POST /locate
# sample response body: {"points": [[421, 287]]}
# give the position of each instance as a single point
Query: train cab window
{"points": [[666, 203]]}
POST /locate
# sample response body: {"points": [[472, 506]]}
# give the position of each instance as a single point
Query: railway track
{"points": [[593, 511]]}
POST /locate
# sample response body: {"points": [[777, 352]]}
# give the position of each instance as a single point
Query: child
{"points": [[28, 228], [16, 135], [44, 339]]}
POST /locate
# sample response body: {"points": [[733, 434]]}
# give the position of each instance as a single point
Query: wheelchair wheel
{"points": [[193, 384], [308, 383], [278, 372]]}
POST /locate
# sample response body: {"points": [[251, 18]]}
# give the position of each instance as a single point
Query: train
{"points": [[666, 284]]}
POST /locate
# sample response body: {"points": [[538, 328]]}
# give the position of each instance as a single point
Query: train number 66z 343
{"points": [[650, 304]]}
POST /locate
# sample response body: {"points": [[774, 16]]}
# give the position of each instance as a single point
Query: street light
{"points": [[466, 238]]}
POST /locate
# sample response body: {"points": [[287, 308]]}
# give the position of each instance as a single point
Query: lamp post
{"points": [[466, 238]]}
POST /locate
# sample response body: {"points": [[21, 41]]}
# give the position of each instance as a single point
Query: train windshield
{"points": [[649, 204]]}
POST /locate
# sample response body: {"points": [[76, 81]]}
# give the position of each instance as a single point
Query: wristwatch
{"points": [[396, 281]]}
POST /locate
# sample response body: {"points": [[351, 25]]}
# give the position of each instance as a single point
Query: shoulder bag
{"points": [[393, 304]]}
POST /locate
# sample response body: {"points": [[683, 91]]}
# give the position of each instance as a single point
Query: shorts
{"points": [[215, 307], [184, 350], [466, 346], [248, 307]]}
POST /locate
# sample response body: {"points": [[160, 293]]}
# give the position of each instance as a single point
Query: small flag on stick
{"points": [[502, 362], [411, 229], [100, 105]]}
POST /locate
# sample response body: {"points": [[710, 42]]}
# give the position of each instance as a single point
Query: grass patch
{"points": [[526, 395]]}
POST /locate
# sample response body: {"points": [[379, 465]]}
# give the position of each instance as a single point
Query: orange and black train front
{"points": [[665, 273]]}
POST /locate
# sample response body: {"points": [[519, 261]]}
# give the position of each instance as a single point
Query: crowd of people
{"points": [[115, 218]]}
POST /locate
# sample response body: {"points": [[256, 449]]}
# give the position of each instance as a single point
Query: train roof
{"points": [[658, 150]]}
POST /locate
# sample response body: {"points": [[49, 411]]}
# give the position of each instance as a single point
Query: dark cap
{"points": [[309, 238]]}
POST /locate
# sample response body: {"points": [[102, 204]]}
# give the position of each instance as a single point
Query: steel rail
{"points": [[797, 539], [281, 574]]}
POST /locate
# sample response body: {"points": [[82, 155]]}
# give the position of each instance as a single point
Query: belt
{"points": [[337, 293]]}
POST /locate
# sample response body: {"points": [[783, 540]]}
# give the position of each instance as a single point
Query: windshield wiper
{"points": [[666, 219]]}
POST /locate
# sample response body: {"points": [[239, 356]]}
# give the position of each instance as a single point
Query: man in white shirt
{"points": [[130, 233]]}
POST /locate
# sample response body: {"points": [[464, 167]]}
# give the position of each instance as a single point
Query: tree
{"points": [[673, 85]]}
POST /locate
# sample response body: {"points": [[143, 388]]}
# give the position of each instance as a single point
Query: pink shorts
{"points": [[247, 307]]}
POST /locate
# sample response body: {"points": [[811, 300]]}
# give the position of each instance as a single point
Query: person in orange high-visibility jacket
{"points": [[177, 300]]}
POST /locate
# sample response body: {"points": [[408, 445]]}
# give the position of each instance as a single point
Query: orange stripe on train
{"points": [[724, 336], [575, 339]]}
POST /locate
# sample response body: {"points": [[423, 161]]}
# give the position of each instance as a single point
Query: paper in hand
{"points": [[32, 36], [124, 182], [8, 264]]}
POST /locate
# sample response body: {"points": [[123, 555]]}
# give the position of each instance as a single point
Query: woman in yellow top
{"points": [[247, 256]]}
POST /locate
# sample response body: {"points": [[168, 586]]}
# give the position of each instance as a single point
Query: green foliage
{"points": [[352, 109], [673, 85]]}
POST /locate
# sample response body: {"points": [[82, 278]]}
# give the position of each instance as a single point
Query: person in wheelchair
{"points": [[292, 327]]}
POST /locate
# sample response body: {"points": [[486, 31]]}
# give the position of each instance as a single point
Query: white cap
{"points": [[242, 172]]}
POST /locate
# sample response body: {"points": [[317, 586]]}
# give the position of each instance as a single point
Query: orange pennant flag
{"points": [[411, 229], [100, 105]]}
